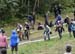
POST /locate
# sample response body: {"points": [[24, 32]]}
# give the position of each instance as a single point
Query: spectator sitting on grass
{"points": [[68, 49], [40, 26]]}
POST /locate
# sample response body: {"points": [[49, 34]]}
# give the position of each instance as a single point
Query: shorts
{"points": [[14, 47], [3, 50]]}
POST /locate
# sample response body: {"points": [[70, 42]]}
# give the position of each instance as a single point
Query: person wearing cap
{"points": [[3, 43], [14, 41], [68, 49]]}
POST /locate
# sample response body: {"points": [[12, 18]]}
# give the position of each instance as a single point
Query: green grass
{"points": [[54, 46], [9, 28]]}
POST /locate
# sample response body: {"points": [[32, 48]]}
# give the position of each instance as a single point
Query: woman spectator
{"points": [[3, 43]]}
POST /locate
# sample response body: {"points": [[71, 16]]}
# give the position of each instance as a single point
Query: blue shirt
{"points": [[58, 19], [14, 38], [73, 27]]}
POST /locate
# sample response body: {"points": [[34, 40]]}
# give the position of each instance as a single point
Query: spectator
{"points": [[3, 43], [58, 18], [30, 18], [34, 19], [56, 11], [59, 9], [73, 28], [59, 29], [67, 20], [69, 28], [51, 24], [20, 31], [31, 21], [46, 19], [26, 30], [74, 14], [68, 49], [14, 40], [47, 32], [40, 26]]}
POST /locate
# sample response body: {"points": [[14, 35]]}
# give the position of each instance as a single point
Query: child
{"points": [[68, 49], [14, 40]]}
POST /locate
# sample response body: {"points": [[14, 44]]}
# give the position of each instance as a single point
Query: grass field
{"points": [[54, 46], [9, 28]]}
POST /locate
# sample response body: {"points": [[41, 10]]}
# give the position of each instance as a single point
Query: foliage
{"points": [[20, 8]]}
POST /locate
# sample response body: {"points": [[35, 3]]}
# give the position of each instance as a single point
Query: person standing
{"points": [[58, 18], [56, 11], [69, 28], [14, 41], [46, 19], [31, 21], [73, 28], [34, 20], [34, 17], [59, 9], [59, 29], [51, 24], [47, 32], [67, 20], [74, 14], [3, 43], [26, 30], [20, 31]]}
